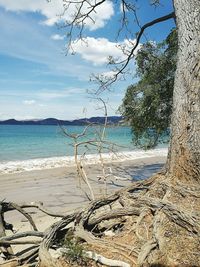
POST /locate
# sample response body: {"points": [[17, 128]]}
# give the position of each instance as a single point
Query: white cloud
{"points": [[103, 13], [53, 11], [53, 94], [98, 50], [29, 102], [44, 94], [109, 74], [57, 37], [123, 8]]}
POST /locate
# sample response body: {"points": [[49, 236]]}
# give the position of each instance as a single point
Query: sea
{"points": [[36, 147]]}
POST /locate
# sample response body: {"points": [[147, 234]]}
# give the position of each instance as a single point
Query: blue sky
{"points": [[37, 80]]}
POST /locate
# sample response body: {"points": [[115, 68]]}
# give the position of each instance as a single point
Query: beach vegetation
{"points": [[74, 251], [147, 105]]}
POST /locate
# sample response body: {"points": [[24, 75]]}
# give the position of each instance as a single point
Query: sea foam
{"points": [[67, 161]]}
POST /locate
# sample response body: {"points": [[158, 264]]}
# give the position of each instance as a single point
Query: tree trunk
{"points": [[184, 154]]}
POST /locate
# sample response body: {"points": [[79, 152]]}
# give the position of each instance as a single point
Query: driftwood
{"points": [[144, 212]]}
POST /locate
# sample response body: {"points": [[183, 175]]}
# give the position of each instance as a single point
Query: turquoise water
{"points": [[19, 142]]}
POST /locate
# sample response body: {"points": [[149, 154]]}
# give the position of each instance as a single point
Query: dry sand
{"points": [[57, 188]]}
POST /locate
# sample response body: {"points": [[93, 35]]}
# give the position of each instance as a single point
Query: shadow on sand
{"points": [[138, 173]]}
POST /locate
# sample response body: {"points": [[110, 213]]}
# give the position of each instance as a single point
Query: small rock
{"points": [[109, 233], [55, 253]]}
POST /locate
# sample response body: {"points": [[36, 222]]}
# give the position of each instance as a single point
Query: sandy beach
{"points": [[57, 188]]}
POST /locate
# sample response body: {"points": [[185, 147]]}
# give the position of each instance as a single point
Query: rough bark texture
{"points": [[184, 155]]}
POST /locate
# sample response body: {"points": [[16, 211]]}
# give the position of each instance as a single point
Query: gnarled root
{"points": [[150, 222]]}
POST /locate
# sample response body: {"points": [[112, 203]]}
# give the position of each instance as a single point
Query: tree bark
{"points": [[184, 153]]}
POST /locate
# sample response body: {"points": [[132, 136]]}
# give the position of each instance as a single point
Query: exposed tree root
{"points": [[150, 222]]}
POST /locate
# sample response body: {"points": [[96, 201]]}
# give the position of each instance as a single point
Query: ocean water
{"points": [[22, 142], [31, 147]]}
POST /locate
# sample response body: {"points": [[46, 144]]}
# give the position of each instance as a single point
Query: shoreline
{"points": [[58, 186], [68, 161]]}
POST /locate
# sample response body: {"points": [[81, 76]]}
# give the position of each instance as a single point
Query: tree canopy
{"points": [[147, 105]]}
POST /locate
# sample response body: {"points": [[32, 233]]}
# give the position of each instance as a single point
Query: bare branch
{"points": [[123, 64], [20, 235], [28, 216]]}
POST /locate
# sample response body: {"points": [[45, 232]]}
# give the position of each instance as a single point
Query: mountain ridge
{"points": [[54, 121]]}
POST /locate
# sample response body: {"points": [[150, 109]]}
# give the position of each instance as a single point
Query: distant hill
{"points": [[53, 121]]}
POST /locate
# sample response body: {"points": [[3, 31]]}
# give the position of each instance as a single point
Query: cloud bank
{"points": [[98, 50], [53, 11]]}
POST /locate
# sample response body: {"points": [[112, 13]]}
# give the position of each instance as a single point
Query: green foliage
{"points": [[147, 105], [74, 251]]}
